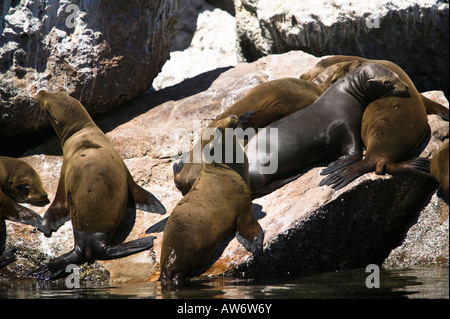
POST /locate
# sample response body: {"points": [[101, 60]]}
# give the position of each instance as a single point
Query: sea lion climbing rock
{"points": [[265, 103], [217, 206], [94, 189], [327, 129]]}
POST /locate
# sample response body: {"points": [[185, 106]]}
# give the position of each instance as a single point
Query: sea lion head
{"points": [[66, 114], [381, 82], [228, 142], [24, 185]]}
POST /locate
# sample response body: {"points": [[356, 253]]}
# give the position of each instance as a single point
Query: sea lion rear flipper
{"points": [[7, 257], [143, 199], [345, 175], [416, 164], [57, 268], [249, 232], [340, 163]]}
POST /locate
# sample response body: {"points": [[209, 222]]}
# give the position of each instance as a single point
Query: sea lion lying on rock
{"points": [[327, 129]]}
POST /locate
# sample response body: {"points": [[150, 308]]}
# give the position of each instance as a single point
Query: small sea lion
{"points": [[217, 206], [439, 167], [262, 105], [20, 182], [327, 129], [94, 189]]}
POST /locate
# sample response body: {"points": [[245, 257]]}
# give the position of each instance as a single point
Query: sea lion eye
{"points": [[387, 83], [24, 187]]}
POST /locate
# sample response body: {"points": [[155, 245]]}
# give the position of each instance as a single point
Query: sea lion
{"points": [[94, 188], [16, 213], [217, 206], [271, 100], [329, 69], [328, 128], [439, 167], [392, 129], [20, 182]]}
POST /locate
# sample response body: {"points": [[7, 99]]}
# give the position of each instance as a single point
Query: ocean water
{"points": [[421, 282]]}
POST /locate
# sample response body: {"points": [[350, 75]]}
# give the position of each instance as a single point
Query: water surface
{"points": [[423, 282]]}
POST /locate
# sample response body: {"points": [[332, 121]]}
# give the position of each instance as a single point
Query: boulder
{"points": [[413, 34], [101, 52], [307, 227], [206, 40]]}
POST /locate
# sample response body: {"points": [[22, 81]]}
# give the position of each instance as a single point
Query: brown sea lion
{"points": [[439, 167], [16, 213], [329, 69], [20, 182], [94, 189], [392, 128], [217, 206], [263, 105], [327, 129]]}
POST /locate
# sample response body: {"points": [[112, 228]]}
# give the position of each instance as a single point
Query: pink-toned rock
{"points": [[307, 227]]}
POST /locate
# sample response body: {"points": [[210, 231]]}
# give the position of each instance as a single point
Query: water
{"points": [[429, 282]]}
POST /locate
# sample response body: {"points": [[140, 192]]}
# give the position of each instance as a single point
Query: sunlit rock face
{"points": [[100, 52], [413, 34]]}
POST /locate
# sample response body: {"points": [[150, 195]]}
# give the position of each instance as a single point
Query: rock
{"points": [[206, 40], [307, 227], [413, 34], [101, 52], [426, 241]]}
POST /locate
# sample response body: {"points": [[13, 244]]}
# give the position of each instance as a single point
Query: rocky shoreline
{"points": [[399, 221], [306, 226]]}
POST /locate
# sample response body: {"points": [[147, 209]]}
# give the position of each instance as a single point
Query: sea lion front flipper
{"points": [[435, 108], [20, 214], [249, 232], [58, 212], [158, 227], [7, 257], [143, 199], [259, 118]]}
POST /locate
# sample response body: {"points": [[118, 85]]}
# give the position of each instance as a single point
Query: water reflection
{"points": [[408, 283]]}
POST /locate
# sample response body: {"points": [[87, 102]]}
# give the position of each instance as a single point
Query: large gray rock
{"points": [[413, 34], [306, 227], [101, 52]]}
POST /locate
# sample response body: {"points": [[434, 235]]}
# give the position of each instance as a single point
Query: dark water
{"points": [[429, 283]]}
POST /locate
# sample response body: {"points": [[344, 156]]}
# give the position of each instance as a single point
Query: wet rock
{"points": [[101, 52], [306, 226], [413, 34]]}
